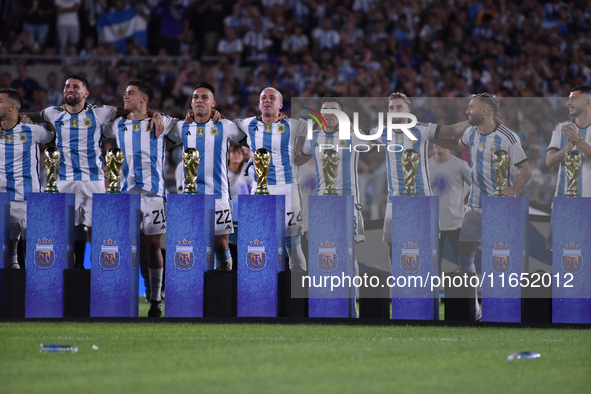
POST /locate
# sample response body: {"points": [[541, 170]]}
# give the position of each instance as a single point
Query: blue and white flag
{"points": [[119, 26]]}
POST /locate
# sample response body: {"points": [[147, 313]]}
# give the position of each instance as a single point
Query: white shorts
{"points": [[18, 220], [472, 225], [153, 212], [223, 216], [293, 207], [358, 227], [83, 201]]}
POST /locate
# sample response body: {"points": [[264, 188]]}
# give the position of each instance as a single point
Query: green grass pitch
{"points": [[254, 358]]}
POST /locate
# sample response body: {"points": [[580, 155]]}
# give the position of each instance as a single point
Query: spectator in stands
{"points": [[36, 16], [23, 81], [68, 26]]}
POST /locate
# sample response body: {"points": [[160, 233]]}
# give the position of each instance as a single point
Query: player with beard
{"points": [[483, 138], [569, 136], [78, 126]]}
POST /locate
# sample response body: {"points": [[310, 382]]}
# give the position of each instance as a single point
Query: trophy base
{"points": [[409, 193], [113, 190], [51, 189], [572, 193], [330, 192], [261, 191], [190, 190]]}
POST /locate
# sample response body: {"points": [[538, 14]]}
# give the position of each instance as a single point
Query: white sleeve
{"points": [[432, 129], [104, 114], [298, 127], [49, 114], [169, 123], [307, 148], [242, 123], [176, 134], [109, 129], [466, 136], [556, 139], [232, 131], [516, 152], [41, 134]]}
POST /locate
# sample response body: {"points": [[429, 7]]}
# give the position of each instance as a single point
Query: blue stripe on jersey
{"points": [[125, 168], [472, 165], [497, 141], [562, 170], [480, 167], [313, 143], [285, 160], [580, 183], [346, 160], [217, 160], [10, 179], [93, 170], [268, 145], [419, 182], [74, 148], [252, 127], [60, 146], [154, 154], [136, 148], [27, 178], [200, 146], [185, 137]]}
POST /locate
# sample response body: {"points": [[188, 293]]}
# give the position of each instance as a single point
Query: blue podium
{"points": [[5, 228], [260, 253], [571, 252], [50, 235], [114, 256], [189, 243], [504, 257], [415, 248], [331, 256]]}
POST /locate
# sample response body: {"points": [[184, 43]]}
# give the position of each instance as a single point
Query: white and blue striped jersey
{"points": [[19, 160], [423, 132], [482, 147], [279, 139], [346, 183], [558, 142], [211, 140], [78, 137], [144, 153]]}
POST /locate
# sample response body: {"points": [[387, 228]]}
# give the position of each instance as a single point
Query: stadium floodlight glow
{"points": [[345, 125]]}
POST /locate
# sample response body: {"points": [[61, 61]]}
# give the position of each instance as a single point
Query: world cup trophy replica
{"points": [[330, 167], [114, 159], [410, 166], [262, 161], [572, 162], [52, 168], [501, 164], [191, 161]]}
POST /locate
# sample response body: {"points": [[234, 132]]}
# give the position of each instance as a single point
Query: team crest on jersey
{"points": [[492, 150], [136, 127], [267, 128], [281, 129], [256, 257], [342, 144], [327, 259], [9, 138], [500, 260], [572, 259], [481, 147], [73, 122], [184, 257], [87, 122], [214, 131], [329, 141], [200, 131], [109, 256], [399, 138], [44, 255], [22, 137], [410, 259]]}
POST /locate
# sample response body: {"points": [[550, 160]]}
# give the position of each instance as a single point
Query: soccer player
{"points": [[78, 126], [211, 139], [143, 174], [278, 137], [569, 136], [483, 138], [19, 164]]}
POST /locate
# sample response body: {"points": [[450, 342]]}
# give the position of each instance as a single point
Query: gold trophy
{"points": [[410, 166], [52, 168], [572, 162], [262, 161], [191, 161], [501, 164], [114, 159], [330, 166]]}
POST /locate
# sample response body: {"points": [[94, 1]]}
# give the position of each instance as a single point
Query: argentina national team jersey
{"points": [[482, 148], [19, 160], [558, 142], [78, 137], [279, 139], [211, 140], [346, 183], [423, 133], [144, 153]]}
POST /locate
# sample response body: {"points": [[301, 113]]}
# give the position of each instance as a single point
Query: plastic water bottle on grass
{"points": [[54, 348]]}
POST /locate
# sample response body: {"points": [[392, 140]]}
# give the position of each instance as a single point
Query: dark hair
{"points": [[81, 79], [584, 89], [331, 98], [489, 99], [143, 87], [206, 85], [14, 97], [397, 95]]}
